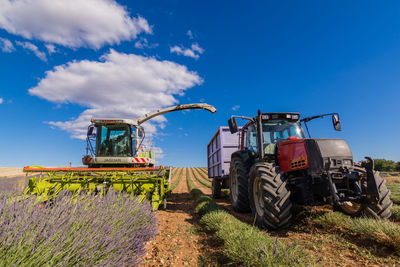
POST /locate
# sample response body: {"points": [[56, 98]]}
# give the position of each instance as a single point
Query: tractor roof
{"points": [[292, 116], [114, 121]]}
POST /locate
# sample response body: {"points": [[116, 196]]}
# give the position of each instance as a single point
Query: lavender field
{"points": [[90, 231]]}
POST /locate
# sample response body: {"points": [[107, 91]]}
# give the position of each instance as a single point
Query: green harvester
{"points": [[116, 158]]}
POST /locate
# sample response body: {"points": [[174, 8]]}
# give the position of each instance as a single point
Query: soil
{"points": [[181, 241], [324, 246], [8, 172]]}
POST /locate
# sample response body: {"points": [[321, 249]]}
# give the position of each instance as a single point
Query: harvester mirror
{"points": [[336, 122], [233, 125], [91, 131], [140, 132]]}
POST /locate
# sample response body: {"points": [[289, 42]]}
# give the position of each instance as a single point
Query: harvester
{"points": [[116, 159], [277, 166]]}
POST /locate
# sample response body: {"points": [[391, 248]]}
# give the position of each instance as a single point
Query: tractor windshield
{"points": [[275, 131], [114, 141]]}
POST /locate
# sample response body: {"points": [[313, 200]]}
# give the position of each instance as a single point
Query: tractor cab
{"points": [[268, 129]]}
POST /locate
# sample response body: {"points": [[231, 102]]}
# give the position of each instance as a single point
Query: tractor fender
{"points": [[247, 156]]}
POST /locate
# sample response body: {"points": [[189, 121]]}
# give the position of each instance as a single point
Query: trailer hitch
{"points": [[372, 187]]}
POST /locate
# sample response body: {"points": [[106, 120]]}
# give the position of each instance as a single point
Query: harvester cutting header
{"points": [[116, 158]]}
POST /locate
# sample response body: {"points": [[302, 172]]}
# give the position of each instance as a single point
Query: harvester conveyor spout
{"points": [[162, 111]]}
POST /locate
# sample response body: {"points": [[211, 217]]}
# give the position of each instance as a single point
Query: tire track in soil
{"points": [[179, 242]]}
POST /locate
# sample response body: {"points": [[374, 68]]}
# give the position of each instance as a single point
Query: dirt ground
{"points": [[180, 242], [8, 172], [183, 242], [325, 247]]}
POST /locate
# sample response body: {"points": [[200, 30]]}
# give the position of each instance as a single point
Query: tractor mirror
{"points": [[336, 122], [91, 131], [233, 125]]}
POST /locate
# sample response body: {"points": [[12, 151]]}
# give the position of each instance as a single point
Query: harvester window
{"points": [[115, 141]]}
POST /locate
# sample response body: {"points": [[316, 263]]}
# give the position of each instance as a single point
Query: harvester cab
{"points": [[277, 166], [119, 142], [116, 159], [116, 142]]}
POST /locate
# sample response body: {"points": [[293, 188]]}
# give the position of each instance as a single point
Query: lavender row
{"points": [[89, 231]]}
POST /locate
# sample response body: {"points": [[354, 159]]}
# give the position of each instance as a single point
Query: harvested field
{"points": [[317, 235], [7, 172]]}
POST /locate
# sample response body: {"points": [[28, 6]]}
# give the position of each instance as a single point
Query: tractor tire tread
{"points": [[242, 205], [381, 209], [276, 196]]}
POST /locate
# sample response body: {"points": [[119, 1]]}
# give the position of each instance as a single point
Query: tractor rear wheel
{"points": [[216, 188], [269, 196], [377, 209], [238, 184]]}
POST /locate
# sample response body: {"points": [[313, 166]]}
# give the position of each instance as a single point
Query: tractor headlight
{"points": [[347, 162]]}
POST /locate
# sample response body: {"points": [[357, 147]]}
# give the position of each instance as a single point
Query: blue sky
{"points": [[61, 63]]}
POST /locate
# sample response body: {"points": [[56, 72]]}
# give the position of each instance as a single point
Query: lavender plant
{"points": [[89, 231]]}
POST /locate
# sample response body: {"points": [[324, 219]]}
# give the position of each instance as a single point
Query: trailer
{"points": [[219, 151]]}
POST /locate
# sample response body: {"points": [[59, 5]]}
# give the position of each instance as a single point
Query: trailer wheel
{"points": [[269, 196], [238, 184], [216, 188], [377, 209]]}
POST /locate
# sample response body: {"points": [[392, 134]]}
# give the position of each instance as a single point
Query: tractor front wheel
{"points": [[269, 196], [379, 209], [238, 184]]}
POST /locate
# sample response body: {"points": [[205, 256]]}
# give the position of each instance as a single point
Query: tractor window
{"points": [[114, 141], [251, 138], [275, 131], [279, 130]]}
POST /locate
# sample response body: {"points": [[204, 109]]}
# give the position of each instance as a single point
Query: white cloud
{"points": [[33, 48], [6, 45], [50, 48], [236, 107], [197, 48], [1, 100], [143, 43], [188, 52], [71, 23], [190, 34], [120, 85]]}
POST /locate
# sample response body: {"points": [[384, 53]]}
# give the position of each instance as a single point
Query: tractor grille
{"points": [[298, 164]]}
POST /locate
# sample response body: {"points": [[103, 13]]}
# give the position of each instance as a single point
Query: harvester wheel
{"points": [[216, 188], [238, 184], [379, 209], [269, 196]]}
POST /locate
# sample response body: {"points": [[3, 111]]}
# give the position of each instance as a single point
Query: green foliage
{"points": [[395, 213], [382, 231], [248, 245], [387, 165], [243, 243], [395, 192]]}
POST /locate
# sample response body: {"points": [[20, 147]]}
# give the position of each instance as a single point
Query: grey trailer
{"points": [[219, 151]]}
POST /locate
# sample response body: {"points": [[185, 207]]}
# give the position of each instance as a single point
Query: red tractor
{"points": [[277, 166]]}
